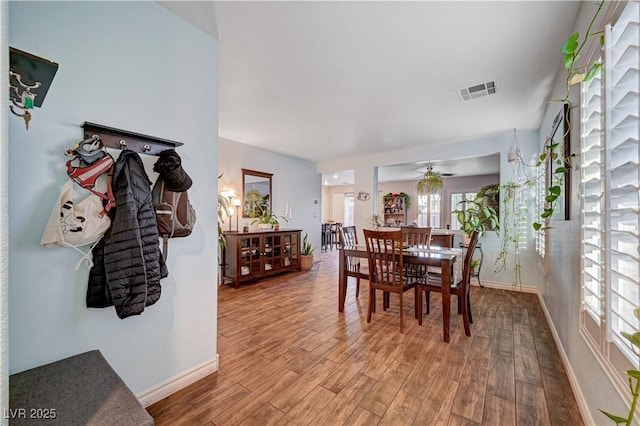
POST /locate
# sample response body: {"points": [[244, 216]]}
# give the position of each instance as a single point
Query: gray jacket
{"points": [[128, 264]]}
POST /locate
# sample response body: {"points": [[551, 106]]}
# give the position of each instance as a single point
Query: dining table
{"points": [[431, 256]]}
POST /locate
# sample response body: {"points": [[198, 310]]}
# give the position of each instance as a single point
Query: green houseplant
{"points": [[265, 218], [306, 254], [476, 215]]}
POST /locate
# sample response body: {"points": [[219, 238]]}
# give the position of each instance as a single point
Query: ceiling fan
{"points": [[430, 169]]}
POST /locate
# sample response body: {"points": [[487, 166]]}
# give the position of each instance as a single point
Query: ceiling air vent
{"points": [[477, 91]]}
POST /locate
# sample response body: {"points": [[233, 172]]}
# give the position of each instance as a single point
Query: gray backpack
{"points": [[174, 214]]}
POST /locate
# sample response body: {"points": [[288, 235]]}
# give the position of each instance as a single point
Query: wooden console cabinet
{"points": [[253, 255]]}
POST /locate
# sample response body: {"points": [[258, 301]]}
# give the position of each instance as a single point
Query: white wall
{"points": [[134, 66], [295, 181]]}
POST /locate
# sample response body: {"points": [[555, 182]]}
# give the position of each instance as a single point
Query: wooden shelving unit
{"points": [[395, 211]]}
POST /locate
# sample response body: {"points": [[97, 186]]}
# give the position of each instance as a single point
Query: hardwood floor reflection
{"points": [[288, 357]]}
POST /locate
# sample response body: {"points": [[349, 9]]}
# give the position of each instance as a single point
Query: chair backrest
{"points": [[414, 236], [348, 236], [466, 271], [384, 252]]}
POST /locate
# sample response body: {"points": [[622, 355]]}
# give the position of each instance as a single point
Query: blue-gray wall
{"points": [[134, 66]]}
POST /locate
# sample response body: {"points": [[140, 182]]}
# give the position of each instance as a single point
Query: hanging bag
{"points": [[174, 214], [76, 224]]}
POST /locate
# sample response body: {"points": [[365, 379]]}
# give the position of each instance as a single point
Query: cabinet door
{"points": [[291, 252], [272, 253], [249, 252]]}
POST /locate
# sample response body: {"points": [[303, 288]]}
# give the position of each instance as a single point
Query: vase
{"points": [[306, 261]]}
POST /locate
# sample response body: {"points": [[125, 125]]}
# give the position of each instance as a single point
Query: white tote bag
{"points": [[75, 224]]}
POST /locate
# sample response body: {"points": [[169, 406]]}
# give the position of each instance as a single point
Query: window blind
{"points": [[592, 160], [610, 184], [622, 61]]}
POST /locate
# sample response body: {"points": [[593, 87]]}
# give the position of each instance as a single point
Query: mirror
{"points": [[256, 192]]}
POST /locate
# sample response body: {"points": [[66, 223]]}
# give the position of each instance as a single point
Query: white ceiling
{"points": [[325, 80]]}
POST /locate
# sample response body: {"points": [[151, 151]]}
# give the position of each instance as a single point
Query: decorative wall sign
{"points": [[363, 196]]}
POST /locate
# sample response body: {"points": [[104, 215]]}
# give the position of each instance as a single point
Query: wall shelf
{"points": [[125, 139]]}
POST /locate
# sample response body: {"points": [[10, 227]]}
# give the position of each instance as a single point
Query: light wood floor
{"points": [[288, 357]]}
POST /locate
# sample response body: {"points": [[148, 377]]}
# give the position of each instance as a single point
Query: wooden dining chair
{"points": [[349, 237], [386, 269], [414, 236], [459, 288]]}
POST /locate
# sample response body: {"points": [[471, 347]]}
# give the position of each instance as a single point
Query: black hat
{"points": [[170, 169]]}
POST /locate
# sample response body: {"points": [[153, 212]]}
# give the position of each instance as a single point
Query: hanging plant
{"points": [[431, 183], [513, 231], [553, 152]]}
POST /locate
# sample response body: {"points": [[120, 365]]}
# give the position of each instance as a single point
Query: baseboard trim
{"points": [[573, 380], [507, 286], [177, 382]]}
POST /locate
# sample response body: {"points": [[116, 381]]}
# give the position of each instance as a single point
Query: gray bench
{"points": [[79, 390]]}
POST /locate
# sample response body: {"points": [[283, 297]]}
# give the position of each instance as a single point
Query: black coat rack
{"points": [[124, 139]]}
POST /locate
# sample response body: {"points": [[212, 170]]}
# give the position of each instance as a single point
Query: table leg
{"points": [[446, 298], [342, 281]]}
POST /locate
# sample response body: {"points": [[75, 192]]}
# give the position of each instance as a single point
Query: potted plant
{"points": [[376, 221], [306, 254], [267, 220], [474, 266], [475, 215]]}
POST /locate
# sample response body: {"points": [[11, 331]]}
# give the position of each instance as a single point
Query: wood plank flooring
{"points": [[288, 357]]}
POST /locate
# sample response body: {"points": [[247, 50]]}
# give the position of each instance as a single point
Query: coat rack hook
{"points": [[146, 147], [123, 143]]}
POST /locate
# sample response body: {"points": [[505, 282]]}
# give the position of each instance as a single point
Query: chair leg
{"points": [[401, 313], [419, 304], [357, 287], [469, 307], [460, 297], [465, 320], [428, 300], [372, 303]]}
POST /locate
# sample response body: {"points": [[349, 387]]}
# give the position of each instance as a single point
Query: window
{"points": [[456, 199], [429, 210], [348, 209], [610, 183], [541, 192]]}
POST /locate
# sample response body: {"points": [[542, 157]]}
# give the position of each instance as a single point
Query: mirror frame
{"points": [[247, 172]]}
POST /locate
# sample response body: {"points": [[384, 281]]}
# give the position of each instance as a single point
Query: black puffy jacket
{"points": [[128, 264]]}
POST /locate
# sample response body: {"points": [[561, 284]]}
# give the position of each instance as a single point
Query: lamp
{"points": [[237, 203], [230, 214], [431, 182]]}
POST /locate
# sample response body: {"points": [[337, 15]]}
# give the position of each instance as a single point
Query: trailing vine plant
{"points": [[515, 214], [571, 51]]}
